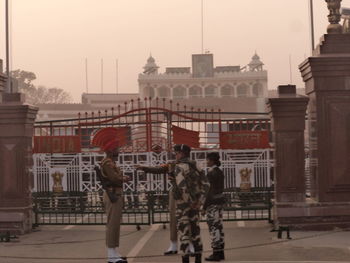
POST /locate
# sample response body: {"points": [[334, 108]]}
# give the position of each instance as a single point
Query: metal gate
{"points": [[148, 124]]}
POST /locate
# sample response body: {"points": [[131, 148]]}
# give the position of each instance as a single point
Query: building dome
{"points": [[256, 64], [151, 60], [151, 66]]}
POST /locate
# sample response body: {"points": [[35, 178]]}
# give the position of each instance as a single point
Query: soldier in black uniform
{"points": [[213, 207]]}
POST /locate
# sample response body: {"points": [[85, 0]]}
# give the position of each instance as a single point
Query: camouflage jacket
{"points": [[112, 172], [190, 184]]}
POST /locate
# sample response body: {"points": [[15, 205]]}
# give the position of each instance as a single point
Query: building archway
{"points": [[242, 90], [227, 91], [195, 91], [211, 91], [164, 92], [179, 92]]}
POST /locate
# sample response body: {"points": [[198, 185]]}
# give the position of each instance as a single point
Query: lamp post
{"points": [[334, 17]]}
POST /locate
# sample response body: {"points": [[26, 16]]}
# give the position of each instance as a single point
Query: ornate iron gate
{"points": [[151, 129]]}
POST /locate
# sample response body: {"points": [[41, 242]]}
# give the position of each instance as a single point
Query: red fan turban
{"points": [[106, 139]]}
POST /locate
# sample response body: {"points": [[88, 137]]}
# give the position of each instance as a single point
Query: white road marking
{"points": [[68, 227], [142, 242], [78, 222], [240, 223]]}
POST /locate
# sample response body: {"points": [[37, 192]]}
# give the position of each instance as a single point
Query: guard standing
{"points": [[113, 179], [213, 207], [189, 189]]}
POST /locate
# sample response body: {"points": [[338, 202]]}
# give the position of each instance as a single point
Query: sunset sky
{"points": [[52, 38]]}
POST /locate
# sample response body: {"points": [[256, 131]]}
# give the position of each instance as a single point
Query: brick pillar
{"points": [[327, 78], [287, 113], [16, 132]]}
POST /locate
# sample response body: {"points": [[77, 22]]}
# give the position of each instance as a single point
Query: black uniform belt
{"points": [[114, 189]]}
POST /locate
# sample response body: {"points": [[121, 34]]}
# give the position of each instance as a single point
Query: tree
{"points": [[40, 94], [24, 79]]}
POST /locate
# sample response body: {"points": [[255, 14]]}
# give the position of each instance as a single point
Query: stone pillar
{"points": [[16, 132], [235, 91], [327, 78], [287, 113]]}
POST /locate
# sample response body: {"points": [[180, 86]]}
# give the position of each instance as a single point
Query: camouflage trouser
{"points": [[188, 228], [214, 220]]}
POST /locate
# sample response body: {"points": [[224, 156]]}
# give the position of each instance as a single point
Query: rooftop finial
{"points": [[334, 17]]}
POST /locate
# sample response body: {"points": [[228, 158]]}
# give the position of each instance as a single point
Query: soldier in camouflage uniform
{"points": [[189, 189], [213, 207]]}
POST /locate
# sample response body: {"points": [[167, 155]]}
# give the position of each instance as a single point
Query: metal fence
{"points": [[146, 195], [77, 208]]}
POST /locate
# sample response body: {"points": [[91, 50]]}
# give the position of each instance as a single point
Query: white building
{"points": [[204, 80]]}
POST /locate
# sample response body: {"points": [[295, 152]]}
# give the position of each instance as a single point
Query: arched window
{"points": [[211, 91], [242, 90], [149, 92], [179, 92], [163, 92], [195, 91], [257, 90], [227, 91]]}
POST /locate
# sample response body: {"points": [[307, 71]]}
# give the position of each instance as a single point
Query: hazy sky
{"points": [[52, 38]]}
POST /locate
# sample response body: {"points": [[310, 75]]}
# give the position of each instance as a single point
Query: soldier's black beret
{"points": [[182, 148]]}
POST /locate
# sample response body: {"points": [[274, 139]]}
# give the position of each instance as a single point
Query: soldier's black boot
{"points": [[186, 259], [222, 252], [198, 258], [214, 257]]}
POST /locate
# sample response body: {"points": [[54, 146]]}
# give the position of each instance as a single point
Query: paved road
{"points": [[245, 242]]}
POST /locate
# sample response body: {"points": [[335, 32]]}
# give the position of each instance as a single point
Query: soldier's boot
{"points": [[198, 258], [222, 252], [216, 256], [186, 259]]}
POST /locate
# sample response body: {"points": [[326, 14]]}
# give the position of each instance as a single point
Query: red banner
{"points": [[57, 144], [244, 140], [184, 136]]}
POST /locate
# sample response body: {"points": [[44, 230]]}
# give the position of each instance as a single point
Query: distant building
{"points": [[231, 88], [90, 103]]}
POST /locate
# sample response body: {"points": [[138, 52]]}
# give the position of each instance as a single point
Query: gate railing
{"points": [[77, 208], [78, 174], [149, 123]]}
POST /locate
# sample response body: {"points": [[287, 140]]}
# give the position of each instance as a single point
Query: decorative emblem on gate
{"points": [[57, 182], [246, 184]]}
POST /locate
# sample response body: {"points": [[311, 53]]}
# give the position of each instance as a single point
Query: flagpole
{"points": [[312, 29], [116, 75], [8, 84], [202, 25], [101, 75], [86, 76]]}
